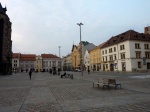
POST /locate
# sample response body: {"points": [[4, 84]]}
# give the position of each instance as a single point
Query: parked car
{"points": [[78, 70]]}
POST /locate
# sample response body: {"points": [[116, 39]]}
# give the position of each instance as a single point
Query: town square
{"points": [[46, 92], [74, 56]]}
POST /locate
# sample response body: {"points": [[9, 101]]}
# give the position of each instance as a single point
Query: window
{"points": [[139, 64], [106, 58], [110, 50], [105, 51], [137, 46], [138, 54], [111, 57], [103, 58], [106, 66], [121, 47], [147, 54], [114, 49], [115, 57], [122, 55], [146, 46]]}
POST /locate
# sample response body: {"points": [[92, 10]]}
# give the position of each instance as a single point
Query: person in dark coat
{"points": [[88, 71], [30, 74], [63, 75]]}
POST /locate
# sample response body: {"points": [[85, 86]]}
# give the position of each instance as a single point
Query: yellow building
{"points": [[75, 57], [38, 63], [76, 54], [95, 58]]}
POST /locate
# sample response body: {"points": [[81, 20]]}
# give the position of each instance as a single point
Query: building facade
{"points": [[5, 42], [51, 62], [38, 64], [78, 54], [128, 51], [87, 60], [27, 62], [95, 58], [67, 62], [16, 62], [75, 57]]}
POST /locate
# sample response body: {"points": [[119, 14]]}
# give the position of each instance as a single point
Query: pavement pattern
{"points": [[50, 93]]}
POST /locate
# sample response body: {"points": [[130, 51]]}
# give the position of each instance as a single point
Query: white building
{"points": [[27, 62], [87, 60], [126, 51], [15, 62], [51, 62]]}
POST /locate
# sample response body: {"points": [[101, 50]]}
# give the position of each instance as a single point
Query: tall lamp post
{"points": [[79, 24], [59, 57]]}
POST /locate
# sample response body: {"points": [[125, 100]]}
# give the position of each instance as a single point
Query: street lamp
{"points": [[60, 58], [79, 24]]}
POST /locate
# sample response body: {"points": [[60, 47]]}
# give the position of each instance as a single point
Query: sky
{"points": [[40, 26]]}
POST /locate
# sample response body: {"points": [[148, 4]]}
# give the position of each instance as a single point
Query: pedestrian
{"points": [[88, 71], [30, 74]]}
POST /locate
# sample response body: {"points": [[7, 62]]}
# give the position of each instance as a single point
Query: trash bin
{"points": [[71, 76]]}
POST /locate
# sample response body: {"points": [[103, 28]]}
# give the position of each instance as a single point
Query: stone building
{"points": [[5, 42]]}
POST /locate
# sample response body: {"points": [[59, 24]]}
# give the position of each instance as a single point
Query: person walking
{"points": [[30, 74], [88, 71]]}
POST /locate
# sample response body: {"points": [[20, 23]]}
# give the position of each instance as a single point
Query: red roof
{"points": [[16, 55], [128, 35], [28, 57], [49, 56]]}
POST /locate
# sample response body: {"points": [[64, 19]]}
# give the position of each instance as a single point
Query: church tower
{"points": [[5, 42]]}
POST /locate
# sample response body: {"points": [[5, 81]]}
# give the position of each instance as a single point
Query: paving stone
{"points": [[50, 93]]}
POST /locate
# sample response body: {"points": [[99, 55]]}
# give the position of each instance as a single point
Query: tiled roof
{"points": [[28, 57], [128, 35], [49, 56], [16, 55]]}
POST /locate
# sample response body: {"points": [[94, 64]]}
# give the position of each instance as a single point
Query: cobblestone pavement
{"points": [[49, 93]]}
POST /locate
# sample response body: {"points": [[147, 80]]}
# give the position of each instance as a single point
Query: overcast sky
{"points": [[40, 26]]}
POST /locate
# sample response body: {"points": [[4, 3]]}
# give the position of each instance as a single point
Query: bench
{"points": [[112, 82], [102, 82], [68, 75]]}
